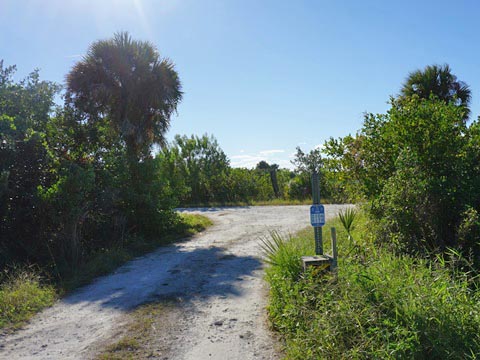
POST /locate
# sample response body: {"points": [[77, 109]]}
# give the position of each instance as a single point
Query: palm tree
{"points": [[127, 81], [439, 81]]}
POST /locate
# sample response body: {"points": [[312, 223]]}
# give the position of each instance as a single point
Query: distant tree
{"points": [[439, 81], [307, 162], [198, 167], [263, 165], [127, 81], [272, 170]]}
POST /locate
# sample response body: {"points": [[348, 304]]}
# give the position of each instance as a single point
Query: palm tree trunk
{"points": [[273, 178]]}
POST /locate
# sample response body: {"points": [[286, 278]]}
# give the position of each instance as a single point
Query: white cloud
{"points": [[268, 152], [247, 161], [274, 156], [244, 157]]}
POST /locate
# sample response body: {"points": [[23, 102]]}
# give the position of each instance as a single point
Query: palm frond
{"points": [[270, 246], [347, 219]]}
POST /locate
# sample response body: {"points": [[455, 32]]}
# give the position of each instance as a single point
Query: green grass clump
{"points": [[191, 224], [21, 296], [379, 305]]}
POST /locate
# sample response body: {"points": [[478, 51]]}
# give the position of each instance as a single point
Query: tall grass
{"points": [[22, 294], [378, 306]]}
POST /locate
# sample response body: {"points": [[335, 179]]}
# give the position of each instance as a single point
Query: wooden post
{"points": [[334, 249]]}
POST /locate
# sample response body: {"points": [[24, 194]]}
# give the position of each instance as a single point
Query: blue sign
{"points": [[317, 215]]}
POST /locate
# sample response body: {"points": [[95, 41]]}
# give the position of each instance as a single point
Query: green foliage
{"points": [[246, 185], [424, 196], [468, 235], [344, 171], [121, 96], [271, 169], [24, 161], [284, 254], [197, 168], [347, 218], [379, 305], [308, 162]]}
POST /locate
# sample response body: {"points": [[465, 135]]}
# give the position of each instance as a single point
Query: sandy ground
{"points": [[217, 276]]}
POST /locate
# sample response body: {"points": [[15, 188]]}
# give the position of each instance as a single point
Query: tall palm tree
{"points": [[127, 81], [439, 81]]}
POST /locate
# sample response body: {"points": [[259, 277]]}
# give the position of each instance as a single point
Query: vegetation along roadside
{"points": [[407, 283], [378, 305]]}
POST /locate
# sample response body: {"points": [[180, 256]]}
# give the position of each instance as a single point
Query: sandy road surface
{"points": [[217, 275]]}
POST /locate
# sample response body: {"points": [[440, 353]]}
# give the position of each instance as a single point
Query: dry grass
{"points": [[141, 338]]}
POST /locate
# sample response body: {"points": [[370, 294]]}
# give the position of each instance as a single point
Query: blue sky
{"points": [[262, 76]]}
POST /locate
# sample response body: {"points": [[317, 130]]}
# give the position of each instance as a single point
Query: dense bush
{"points": [[197, 169], [417, 166], [25, 162]]}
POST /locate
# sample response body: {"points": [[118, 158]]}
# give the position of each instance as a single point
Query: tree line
{"points": [[199, 173]]}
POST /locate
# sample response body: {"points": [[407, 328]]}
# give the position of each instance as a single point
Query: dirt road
{"points": [[216, 275]]}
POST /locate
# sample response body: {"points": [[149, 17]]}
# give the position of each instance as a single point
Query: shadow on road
{"points": [[177, 273]]}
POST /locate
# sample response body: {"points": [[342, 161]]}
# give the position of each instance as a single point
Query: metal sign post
{"points": [[317, 214]]}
